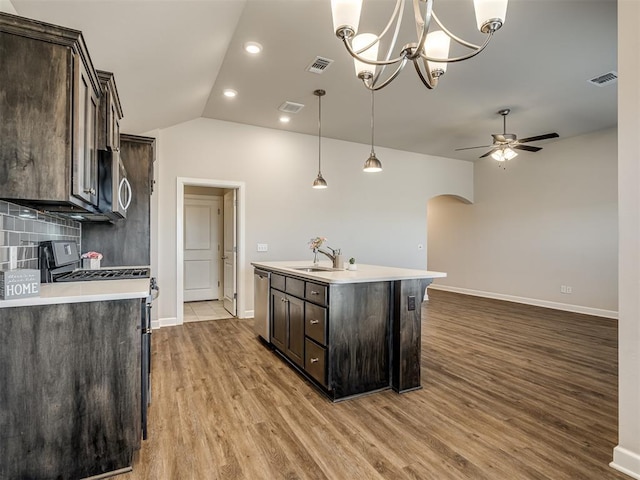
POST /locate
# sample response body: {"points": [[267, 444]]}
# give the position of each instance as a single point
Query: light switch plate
{"points": [[263, 247]]}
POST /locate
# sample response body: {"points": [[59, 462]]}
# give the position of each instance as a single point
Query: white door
{"points": [[202, 227], [229, 257]]}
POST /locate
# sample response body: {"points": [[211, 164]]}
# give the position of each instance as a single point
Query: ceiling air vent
{"points": [[608, 78], [291, 107], [319, 65]]}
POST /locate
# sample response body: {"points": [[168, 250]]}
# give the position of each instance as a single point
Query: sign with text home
{"points": [[19, 284]]}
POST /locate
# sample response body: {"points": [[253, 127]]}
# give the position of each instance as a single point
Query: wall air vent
{"points": [[319, 65], [608, 78], [291, 107]]}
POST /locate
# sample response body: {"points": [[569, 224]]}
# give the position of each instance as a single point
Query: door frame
{"points": [[240, 187]]}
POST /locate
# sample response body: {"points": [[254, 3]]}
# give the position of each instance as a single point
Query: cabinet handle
{"points": [[313, 292], [313, 322], [314, 360]]}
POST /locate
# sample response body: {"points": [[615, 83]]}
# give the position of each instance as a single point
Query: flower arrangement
{"points": [[316, 242], [91, 260]]}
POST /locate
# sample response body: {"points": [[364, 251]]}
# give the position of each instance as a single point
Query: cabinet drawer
{"points": [[316, 293], [294, 286], [277, 281], [315, 323], [314, 361]]}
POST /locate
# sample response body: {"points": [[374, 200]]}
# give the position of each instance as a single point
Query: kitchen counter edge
{"points": [[79, 292], [364, 274]]}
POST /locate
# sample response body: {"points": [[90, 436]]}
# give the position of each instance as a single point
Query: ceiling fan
{"points": [[504, 144]]}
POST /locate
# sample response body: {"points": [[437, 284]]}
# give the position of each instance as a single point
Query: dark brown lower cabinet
{"points": [[288, 325], [69, 389]]}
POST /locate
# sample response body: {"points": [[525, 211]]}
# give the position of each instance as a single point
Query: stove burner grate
{"points": [[102, 274]]}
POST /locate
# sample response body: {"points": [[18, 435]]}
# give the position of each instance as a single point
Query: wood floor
{"points": [[509, 392]]}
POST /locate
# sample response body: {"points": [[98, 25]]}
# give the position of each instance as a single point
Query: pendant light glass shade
{"points": [[346, 14], [437, 46], [489, 13], [319, 182], [372, 164], [371, 53]]}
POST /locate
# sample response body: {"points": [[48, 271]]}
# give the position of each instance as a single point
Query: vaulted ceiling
{"points": [[173, 58]]}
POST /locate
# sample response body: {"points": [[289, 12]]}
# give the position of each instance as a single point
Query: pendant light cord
{"points": [[319, 132], [372, 123]]}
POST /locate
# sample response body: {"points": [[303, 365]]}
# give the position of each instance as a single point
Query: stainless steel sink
{"points": [[314, 269]]}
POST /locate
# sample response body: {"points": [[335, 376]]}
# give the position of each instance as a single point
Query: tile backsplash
{"points": [[24, 228]]}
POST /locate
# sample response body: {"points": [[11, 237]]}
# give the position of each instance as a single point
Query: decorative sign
{"points": [[19, 284]]}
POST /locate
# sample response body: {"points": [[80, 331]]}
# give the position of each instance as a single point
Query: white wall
{"points": [[378, 219], [548, 219], [626, 456]]}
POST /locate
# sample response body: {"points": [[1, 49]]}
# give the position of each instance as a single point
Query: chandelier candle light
{"points": [[430, 54]]}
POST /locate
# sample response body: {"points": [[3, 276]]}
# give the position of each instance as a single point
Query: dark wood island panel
{"points": [[69, 389]]}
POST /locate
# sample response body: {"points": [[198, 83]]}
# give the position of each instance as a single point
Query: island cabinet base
{"points": [[349, 339], [359, 338], [69, 389]]}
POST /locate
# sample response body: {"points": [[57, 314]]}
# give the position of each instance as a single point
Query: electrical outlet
{"points": [[569, 289], [411, 303], [566, 289], [263, 247]]}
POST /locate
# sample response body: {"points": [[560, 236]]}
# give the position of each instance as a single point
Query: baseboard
{"points": [[530, 301], [248, 314], [626, 461], [164, 322]]}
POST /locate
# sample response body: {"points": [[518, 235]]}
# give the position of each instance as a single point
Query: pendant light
{"points": [[372, 164], [319, 182]]}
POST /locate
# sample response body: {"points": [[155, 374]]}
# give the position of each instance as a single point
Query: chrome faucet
{"points": [[334, 256]]}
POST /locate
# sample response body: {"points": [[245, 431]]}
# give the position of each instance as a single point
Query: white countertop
{"points": [[77, 292], [364, 273]]}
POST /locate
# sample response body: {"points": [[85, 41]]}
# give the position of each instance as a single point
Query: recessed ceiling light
{"points": [[229, 93], [252, 48], [284, 119]]}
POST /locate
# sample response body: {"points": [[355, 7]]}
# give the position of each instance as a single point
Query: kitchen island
{"points": [[348, 332], [70, 380]]}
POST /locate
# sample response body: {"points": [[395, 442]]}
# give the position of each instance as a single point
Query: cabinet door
{"points": [[295, 342], [278, 320], [85, 160]]}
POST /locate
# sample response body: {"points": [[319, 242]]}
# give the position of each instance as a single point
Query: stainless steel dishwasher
{"points": [[261, 296]]}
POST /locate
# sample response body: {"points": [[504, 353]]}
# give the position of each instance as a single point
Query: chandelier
{"points": [[429, 55]]}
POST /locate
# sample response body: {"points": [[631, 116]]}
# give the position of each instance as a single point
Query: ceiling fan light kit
{"points": [[504, 144], [430, 54]]}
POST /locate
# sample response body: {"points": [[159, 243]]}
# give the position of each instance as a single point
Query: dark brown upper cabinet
{"points": [[49, 100], [109, 113]]}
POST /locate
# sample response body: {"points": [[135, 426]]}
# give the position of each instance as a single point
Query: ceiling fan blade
{"points": [[528, 148], [469, 148], [539, 137], [488, 153]]}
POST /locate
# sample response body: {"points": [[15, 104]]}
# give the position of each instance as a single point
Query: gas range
{"points": [[60, 262]]}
